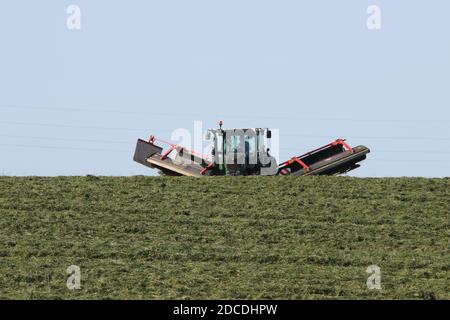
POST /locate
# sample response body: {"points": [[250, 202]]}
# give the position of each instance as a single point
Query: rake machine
{"points": [[240, 152]]}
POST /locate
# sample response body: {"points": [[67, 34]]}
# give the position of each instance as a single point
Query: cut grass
{"points": [[224, 238]]}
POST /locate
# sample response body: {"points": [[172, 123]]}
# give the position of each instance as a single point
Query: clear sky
{"points": [[73, 102]]}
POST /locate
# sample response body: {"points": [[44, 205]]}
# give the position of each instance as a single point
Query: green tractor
{"points": [[239, 152]]}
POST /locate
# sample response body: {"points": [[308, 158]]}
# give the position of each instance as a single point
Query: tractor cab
{"points": [[241, 152]]}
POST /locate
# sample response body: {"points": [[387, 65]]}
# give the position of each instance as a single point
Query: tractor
{"points": [[246, 152]]}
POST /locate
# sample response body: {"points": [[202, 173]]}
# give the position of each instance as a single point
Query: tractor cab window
{"points": [[234, 142], [250, 144], [241, 144]]}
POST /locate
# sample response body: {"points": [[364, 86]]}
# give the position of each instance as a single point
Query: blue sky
{"points": [[73, 102]]}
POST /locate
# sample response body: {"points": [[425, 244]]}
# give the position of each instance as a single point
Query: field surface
{"points": [[224, 238]]}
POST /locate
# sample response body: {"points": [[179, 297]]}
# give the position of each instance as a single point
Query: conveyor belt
{"points": [[336, 164]]}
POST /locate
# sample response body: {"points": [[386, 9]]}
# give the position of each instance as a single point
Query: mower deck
{"points": [[332, 159]]}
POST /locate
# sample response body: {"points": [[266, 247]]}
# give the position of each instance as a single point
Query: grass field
{"points": [[224, 238]]}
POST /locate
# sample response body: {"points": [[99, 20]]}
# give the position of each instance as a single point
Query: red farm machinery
{"points": [[244, 152]]}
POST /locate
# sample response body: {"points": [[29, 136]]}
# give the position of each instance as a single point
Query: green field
{"points": [[224, 238]]}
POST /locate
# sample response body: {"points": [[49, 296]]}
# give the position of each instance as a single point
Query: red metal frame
{"points": [[208, 167], [173, 146], [343, 143], [305, 166], [300, 162], [168, 151]]}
